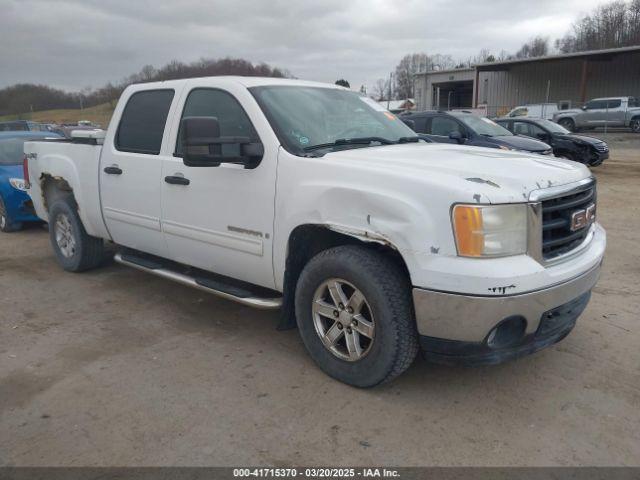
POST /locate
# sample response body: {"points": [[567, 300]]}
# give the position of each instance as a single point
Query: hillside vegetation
{"points": [[100, 114]]}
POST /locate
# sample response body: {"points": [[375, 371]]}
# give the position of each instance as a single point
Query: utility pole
{"points": [[389, 96]]}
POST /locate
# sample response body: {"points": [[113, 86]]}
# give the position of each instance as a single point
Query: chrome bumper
{"points": [[470, 318]]}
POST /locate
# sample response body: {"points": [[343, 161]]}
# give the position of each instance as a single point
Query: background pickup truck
{"points": [[612, 112], [316, 200]]}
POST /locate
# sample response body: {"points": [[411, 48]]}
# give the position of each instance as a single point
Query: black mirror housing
{"points": [[457, 136], [204, 147]]}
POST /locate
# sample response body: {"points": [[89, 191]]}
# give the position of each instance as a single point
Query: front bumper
{"points": [[456, 328]]}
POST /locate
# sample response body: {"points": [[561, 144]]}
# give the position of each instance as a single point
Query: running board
{"points": [[216, 287]]}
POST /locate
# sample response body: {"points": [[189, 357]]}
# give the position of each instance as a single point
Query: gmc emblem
{"points": [[583, 218]]}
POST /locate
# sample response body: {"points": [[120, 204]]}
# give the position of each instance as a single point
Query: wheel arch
{"points": [[307, 240]]}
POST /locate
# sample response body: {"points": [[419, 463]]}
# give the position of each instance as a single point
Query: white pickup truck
{"points": [[316, 200]]}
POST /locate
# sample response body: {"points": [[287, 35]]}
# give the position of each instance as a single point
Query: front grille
{"points": [[557, 237], [602, 147]]}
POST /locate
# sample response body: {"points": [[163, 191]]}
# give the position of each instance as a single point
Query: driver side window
{"points": [[443, 126], [207, 102]]}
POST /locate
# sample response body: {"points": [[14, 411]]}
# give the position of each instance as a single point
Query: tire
{"points": [[634, 125], [568, 124], [386, 304], [75, 250], [6, 225]]}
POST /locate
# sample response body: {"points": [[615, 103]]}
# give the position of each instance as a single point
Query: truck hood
{"points": [[500, 175]]}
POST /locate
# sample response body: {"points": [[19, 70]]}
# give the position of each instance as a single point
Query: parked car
{"points": [[22, 126], [311, 198], [600, 112], [536, 110], [579, 148], [472, 130], [15, 205]]}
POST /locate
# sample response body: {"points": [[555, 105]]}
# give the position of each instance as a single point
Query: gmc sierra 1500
{"points": [[314, 199]]}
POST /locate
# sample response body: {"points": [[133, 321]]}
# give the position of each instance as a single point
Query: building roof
{"points": [[503, 65], [396, 104], [449, 70]]}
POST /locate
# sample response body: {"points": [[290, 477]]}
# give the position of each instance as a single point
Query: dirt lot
{"points": [[115, 367]]}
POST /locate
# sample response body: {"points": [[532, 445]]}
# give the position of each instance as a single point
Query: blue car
{"points": [[15, 205]]}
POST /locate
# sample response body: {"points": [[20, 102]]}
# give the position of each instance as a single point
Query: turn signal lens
{"points": [[490, 230], [467, 223]]}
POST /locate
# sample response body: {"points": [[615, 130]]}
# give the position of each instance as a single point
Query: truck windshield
{"points": [[310, 119]]}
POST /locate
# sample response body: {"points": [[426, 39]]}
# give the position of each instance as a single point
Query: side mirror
{"points": [[584, 107], [457, 136], [204, 147]]}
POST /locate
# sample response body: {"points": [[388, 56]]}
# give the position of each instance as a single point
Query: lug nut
{"points": [[341, 306], [350, 309], [336, 313], [349, 330], [339, 326], [354, 323]]}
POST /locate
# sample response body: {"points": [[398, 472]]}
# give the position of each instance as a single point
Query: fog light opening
{"points": [[507, 333]]}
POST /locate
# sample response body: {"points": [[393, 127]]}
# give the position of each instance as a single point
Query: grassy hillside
{"points": [[99, 114]]}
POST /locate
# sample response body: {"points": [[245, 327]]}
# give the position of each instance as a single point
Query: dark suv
{"points": [[469, 129], [580, 148]]}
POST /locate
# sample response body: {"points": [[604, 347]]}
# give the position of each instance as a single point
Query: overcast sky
{"points": [[76, 43]]}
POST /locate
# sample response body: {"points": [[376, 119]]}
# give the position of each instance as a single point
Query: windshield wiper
{"points": [[350, 141]]}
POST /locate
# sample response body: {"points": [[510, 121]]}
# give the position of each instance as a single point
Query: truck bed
{"points": [[76, 161]]}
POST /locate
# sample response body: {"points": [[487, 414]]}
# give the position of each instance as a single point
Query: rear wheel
{"points": [[6, 225], [355, 315], [75, 250], [635, 125], [568, 124]]}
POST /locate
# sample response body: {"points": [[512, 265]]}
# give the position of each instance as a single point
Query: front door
{"points": [[440, 127], [222, 220], [130, 168]]}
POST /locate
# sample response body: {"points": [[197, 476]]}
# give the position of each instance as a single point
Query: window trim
{"points": [[184, 106], [116, 137]]}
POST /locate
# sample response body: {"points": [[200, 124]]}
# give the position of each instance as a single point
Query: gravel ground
{"points": [[116, 367]]}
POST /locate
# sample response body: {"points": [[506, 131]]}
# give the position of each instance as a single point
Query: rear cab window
{"points": [[143, 122]]}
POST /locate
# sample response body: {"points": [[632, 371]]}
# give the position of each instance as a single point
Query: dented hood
{"points": [[508, 175]]}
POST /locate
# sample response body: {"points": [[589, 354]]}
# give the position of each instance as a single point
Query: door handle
{"points": [[177, 180], [113, 170]]}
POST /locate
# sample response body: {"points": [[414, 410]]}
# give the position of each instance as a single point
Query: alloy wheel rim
{"points": [[64, 236], [343, 319]]}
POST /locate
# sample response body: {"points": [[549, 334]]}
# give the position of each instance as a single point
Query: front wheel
{"points": [[75, 250], [635, 125], [355, 315], [6, 225]]}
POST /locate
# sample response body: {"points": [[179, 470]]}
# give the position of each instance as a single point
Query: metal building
{"points": [[570, 79]]}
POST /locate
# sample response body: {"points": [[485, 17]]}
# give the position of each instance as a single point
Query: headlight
{"points": [[504, 147], [18, 184], [490, 230]]}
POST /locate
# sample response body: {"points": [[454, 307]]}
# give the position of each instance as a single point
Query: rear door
{"points": [[130, 170], [615, 113], [595, 114]]}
